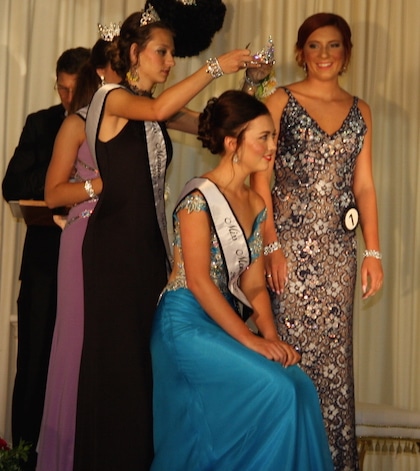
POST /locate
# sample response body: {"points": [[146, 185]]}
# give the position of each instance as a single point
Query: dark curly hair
{"points": [[131, 32], [227, 116], [194, 25]]}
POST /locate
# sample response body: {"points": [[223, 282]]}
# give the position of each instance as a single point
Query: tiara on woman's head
{"points": [[149, 15], [108, 33]]}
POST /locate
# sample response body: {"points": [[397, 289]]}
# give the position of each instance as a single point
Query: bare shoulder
{"points": [[301, 88], [75, 120], [257, 202], [118, 95], [278, 98], [365, 110], [364, 107], [276, 104], [74, 127]]}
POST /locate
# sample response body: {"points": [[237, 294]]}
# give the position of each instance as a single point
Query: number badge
{"points": [[351, 219]]}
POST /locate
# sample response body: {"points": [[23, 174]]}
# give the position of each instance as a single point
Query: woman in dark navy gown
{"points": [[125, 253]]}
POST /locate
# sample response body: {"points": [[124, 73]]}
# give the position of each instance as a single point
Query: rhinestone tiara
{"points": [[108, 33], [149, 15], [266, 55]]}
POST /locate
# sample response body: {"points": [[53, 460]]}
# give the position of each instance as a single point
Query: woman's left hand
{"points": [[276, 271], [372, 276], [284, 353], [258, 74]]}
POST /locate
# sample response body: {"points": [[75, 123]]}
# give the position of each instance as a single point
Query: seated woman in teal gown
{"points": [[225, 397]]}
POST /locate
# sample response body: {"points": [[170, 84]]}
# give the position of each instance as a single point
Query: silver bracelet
{"points": [[270, 248], [250, 82], [89, 189], [372, 253], [213, 67]]}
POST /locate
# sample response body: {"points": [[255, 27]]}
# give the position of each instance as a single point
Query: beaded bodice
{"points": [[313, 169], [196, 202], [84, 169]]}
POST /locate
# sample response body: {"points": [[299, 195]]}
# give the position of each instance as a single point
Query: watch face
{"points": [[351, 219]]}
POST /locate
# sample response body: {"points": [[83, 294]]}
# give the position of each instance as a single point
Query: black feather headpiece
{"points": [[194, 22]]}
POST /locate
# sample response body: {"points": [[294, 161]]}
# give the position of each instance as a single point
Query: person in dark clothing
{"points": [[24, 179]]}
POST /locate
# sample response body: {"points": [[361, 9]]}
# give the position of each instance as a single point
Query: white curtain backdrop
{"points": [[384, 70]]}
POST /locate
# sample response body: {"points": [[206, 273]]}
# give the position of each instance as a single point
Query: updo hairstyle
{"points": [[88, 80], [320, 20], [227, 116], [131, 32]]}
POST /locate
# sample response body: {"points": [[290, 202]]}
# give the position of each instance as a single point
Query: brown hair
{"points": [[319, 20], [131, 32], [227, 116], [71, 60], [88, 80]]}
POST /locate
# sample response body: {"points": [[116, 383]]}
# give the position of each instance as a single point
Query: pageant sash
{"points": [[156, 150], [94, 115], [82, 112], [229, 232]]}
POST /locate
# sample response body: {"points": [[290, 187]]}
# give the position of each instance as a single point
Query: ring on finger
{"points": [[268, 276]]}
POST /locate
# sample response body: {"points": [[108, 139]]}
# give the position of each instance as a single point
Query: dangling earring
{"points": [[133, 74], [343, 70], [102, 80], [305, 68], [235, 158]]}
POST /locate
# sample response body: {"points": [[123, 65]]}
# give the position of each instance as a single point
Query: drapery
{"points": [[384, 71]]}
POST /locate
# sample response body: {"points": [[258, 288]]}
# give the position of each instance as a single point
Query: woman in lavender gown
{"points": [[72, 180]]}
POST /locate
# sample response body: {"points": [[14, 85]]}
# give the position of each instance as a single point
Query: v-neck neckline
{"points": [[255, 220], [332, 135]]}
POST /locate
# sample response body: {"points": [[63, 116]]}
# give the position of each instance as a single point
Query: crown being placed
{"points": [[149, 16], [188, 2], [266, 54], [108, 33]]}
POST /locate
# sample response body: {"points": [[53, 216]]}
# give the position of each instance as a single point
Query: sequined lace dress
{"points": [[217, 404], [311, 193]]}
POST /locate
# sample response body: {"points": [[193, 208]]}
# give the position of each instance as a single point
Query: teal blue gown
{"points": [[218, 405]]}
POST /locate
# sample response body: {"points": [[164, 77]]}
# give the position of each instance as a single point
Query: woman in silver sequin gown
{"points": [[322, 172]]}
